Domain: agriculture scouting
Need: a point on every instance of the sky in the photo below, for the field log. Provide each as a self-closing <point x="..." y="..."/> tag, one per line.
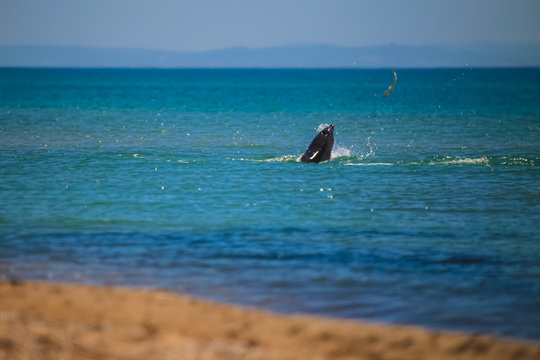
<point x="199" y="25"/>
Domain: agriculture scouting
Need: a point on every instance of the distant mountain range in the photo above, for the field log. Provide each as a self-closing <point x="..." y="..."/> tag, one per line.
<point x="305" y="56"/>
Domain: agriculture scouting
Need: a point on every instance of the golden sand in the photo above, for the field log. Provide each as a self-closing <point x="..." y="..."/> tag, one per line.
<point x="52" y="321"/>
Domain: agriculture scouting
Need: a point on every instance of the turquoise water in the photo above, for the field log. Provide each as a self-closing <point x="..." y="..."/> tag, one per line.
<point x="189" y="181"/>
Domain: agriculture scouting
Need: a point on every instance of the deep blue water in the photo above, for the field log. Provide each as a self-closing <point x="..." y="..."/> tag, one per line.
<point x="189" y="181"/>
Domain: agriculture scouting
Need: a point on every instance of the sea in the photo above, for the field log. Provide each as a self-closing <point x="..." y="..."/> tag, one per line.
<point x="189" y="181"/>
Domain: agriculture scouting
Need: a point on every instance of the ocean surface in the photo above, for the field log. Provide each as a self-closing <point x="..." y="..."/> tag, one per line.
<point x="188" y="181"/>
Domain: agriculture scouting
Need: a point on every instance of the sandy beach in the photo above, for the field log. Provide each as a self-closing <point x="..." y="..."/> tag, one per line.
<point x="55" y="321"/>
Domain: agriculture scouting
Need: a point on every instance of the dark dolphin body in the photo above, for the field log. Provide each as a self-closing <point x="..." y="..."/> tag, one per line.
<point x="321" y="147"/>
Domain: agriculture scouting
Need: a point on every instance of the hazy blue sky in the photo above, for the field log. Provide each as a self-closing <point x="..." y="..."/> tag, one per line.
<point x="210" y="24"/>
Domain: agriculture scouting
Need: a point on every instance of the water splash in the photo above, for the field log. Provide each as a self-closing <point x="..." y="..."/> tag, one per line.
<point x="371" y="147"/>
<point x="340" y="151"/>
<point x="322" y="126"/>
<point x="348" y="153"/>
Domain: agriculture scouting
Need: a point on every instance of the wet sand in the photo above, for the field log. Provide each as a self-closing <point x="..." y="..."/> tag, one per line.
<point x="54" y="321"/>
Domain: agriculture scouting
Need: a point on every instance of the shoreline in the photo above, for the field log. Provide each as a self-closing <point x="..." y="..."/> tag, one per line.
<point x="59" y="321"/>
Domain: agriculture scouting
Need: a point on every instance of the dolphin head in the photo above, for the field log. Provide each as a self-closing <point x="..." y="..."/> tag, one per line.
<point x="328" y="135"/>
<point x="328" y="131"/>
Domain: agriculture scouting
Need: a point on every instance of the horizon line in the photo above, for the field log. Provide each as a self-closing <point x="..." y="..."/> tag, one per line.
<point x="483" y="67"/>
<point x="291" y="45"/>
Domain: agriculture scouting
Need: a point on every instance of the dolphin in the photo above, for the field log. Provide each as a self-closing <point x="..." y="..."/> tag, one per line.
<point x="321" y="147"/>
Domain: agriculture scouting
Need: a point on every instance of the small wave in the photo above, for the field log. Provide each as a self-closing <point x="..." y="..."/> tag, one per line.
<point x="484" y="161"/>
<point x="369" y="164"/>
<point x="284" y="158"/>
<point x="464" y="161"/>
<point x="435" y="161"/>
<point x="487" y="161"/>
<point x="452" y="160"/>
<point x="517" y="161"/>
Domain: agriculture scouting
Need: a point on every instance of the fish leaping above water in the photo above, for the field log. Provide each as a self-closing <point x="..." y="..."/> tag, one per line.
<point x="391" y="87"/>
